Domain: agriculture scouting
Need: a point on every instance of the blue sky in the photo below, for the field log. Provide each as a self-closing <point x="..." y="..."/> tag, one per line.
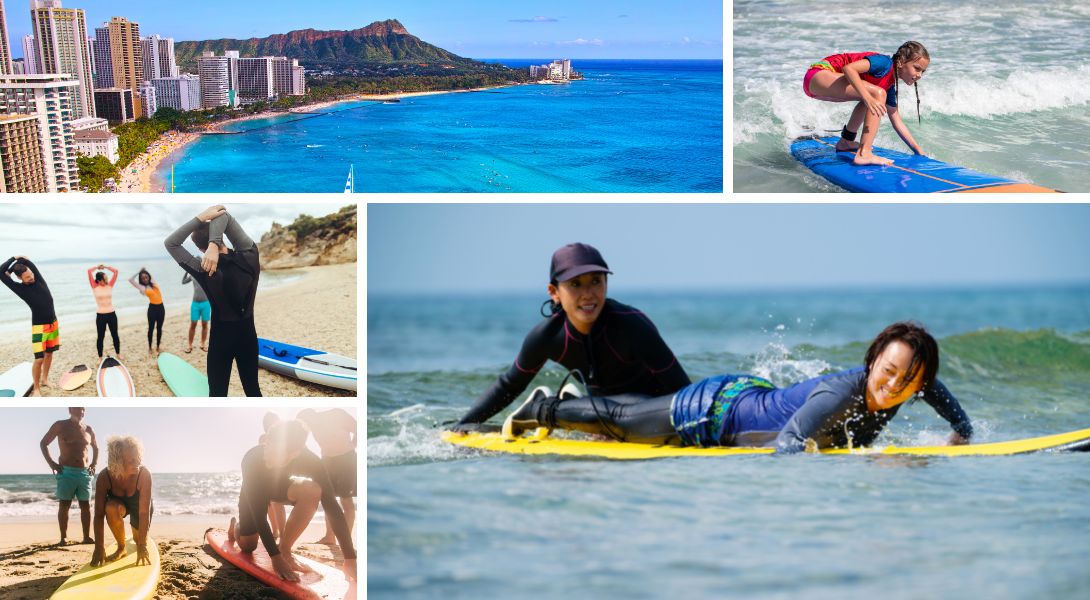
<point x="477" y="29"/>
<point x="497" y="247"/>
<point x="171" y="436"/>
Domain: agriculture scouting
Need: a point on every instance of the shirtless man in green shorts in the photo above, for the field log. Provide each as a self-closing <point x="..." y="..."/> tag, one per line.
<point x="74" y="468"/>
<point x="335" y="432"/>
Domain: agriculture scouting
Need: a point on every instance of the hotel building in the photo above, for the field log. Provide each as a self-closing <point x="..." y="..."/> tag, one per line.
<point x="21" y="169"/>
<point x="52" y="100"/>
<point x="60" y="36"/>
<point x="5" y="44"/>
<point x="104" y="64"/>
<point x="30" y="55"/>
<point x="116" y="105"/>
<point x="97" y="143"/>
<point x="180" y="93"/>
<point x="128" y="64"/>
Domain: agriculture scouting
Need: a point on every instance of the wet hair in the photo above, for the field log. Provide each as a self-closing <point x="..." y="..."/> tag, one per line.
<point x="925" y="351"/>
<point x="100" y="277"/>
<point x="908" y="52"/>
<point x="116" y="447"/>
<point x="150" y="283"/>
<point x="200" y="238"/>
<point x="291" y="434"/>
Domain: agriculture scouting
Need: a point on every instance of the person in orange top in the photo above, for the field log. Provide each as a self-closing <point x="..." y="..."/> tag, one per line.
<point x="143" y="282"/>
<point x="104" y="299"/>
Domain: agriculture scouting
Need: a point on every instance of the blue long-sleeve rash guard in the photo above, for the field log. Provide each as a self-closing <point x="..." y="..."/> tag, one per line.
<point x="831" y="410"/>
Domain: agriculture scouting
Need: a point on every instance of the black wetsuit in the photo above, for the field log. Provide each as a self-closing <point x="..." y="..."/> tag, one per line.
<point x="624" y="354"/>
<point x="36" y="295"/>
<point x="261" y="485"/>
<point x="231" y="292"/>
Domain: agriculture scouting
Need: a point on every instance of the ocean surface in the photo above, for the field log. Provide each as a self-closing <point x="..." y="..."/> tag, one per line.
<point x="75" y="303"/>
<point x="1003" y="94"/>
<point x="630" y="126"/>
<point x="451" y="521"/>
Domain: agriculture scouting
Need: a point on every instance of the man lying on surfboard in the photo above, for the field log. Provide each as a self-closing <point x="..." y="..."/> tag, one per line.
<point x="838" y="410"/>
<point x="282" y="469"/>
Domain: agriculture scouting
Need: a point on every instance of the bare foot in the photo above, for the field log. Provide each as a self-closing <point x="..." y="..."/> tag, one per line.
<point x="87" y="540"/>
<point x="846" y="146"/>
<point x="44" y="384"/>
<point x="871" y="159"/>
<point x="63" y="542"/>
<point x="326" y="539"/>
<point x="231" y="530"/>
<point x="116" y="555"/>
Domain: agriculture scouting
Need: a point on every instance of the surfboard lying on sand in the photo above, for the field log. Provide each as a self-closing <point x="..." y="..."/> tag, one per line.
<point x="183" y="379"/>
<point x="17" y="381"/>
<point x="325" y="583"/>
<point x="75" y="377"/>
<point x="306" y="364"/>
<point x="118" y="580"/>
<point x="113" y="380"/>
<point x="1076" y="441"/>
<point x="909" y="172"/>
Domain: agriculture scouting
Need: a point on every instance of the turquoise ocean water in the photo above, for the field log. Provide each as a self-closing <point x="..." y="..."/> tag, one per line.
<point x="1005" y="93"/>
<point x="630" y="126"/>
<point x="449" y="521"/>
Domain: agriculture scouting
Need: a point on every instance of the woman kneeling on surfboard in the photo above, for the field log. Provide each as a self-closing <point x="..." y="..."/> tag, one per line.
<point x="838" y="410"/>
<point x="123" y="488"/>
<point x="615" y="346"/>
<point x="870" y="79"/>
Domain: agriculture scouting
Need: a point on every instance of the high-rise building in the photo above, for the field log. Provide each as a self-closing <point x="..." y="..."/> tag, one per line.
<point x="21" y="165"/>
<point x="218" y="79"/>
<point x="116" y="104"/>
<point x="285" y="74"/>
<point x="148" y="105"/>
<point x="18" y="67"/>
<point x="149" y="49"/>
<point x="298" y="79"/>
<point x="5" y="45"/>
<point x="180" y="93"/>
<point x="51" y="99"/>
<point x="60" y="36"/>
<point x="104" y="63"/>
<point x="158" y="57"/>
<point x="30" y="55"/>
<point x="255" y="80"/>
<point x="127" y="57"/>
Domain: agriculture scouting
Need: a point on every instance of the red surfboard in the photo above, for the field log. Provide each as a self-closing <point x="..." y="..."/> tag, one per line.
<point x="325" y="583"/>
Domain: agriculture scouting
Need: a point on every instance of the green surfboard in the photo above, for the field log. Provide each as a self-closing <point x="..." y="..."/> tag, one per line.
<point x="182" y="378"/>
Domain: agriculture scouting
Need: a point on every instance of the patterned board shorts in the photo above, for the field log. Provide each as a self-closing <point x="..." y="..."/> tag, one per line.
<point x="45" y="338"/>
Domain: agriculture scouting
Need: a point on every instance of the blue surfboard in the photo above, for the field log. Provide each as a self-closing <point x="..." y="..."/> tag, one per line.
<point x="909" y="173"/>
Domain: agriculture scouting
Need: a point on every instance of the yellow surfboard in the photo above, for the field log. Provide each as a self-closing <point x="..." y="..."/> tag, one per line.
<point x="118" y="580"/>
<point x="539" y="443"/>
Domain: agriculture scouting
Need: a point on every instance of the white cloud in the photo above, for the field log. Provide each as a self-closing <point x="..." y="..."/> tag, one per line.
<point x="582" y="42"/>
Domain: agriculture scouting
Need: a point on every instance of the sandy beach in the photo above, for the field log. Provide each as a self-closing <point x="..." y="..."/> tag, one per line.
<point x="136" y="177"/>
<point x="31" y="568"/>
<point x="318" y="310"/>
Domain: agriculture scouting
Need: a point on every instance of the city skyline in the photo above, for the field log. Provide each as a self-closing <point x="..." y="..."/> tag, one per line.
<point x="485" y="29"/>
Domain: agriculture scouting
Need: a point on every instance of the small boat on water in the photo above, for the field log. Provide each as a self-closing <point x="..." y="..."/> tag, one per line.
<point x="350" y="185"/>
<point x="393" y="101"/>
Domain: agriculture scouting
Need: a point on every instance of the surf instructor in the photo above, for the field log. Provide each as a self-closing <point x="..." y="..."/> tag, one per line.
<point x="229" y="278"/>
<point x="282" y="469"/>
<point x="616" y="347"/>
<point x="74" y="468"/>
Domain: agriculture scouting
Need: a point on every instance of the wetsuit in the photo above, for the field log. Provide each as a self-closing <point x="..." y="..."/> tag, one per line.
<point x="131" y="503"/>
<point x="623" y="354"/>
<point x="105" y="315"/>
<point x="261" y="485"/>
<point x="45" y="332"/>
<point x="744" y="410"/>
<point x="231" y="291"/>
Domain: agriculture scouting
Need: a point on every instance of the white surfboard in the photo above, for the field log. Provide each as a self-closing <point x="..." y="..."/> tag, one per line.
<point x="114" y="380"/>
<point x="17" y="381"/>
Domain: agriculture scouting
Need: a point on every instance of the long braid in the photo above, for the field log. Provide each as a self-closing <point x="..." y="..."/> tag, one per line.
<point x="907" y="52"/>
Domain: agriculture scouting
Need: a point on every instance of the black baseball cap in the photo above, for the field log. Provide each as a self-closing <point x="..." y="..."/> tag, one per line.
<point x="574" y="260"/>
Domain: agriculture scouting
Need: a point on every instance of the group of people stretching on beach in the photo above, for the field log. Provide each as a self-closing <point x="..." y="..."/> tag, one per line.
<point x="637" y="391"/>
<point x="224" y="279"/>
<point x="278" y="471"/>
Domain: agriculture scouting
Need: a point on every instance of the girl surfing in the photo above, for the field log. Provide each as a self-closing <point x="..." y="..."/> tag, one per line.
<point x="872" y="80"/>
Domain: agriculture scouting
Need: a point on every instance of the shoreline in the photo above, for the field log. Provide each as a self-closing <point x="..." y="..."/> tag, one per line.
<point x="146" y="164"/>
<point x="32" y="567"/>
<point x="277" y="315"/>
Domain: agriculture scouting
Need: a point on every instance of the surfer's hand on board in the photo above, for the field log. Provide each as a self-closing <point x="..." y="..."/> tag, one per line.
<point x="349" y="568"/>
<point x="282" y="566"/>
<point x="211" y="213"/>
<point x="465" y="427"/>
<point x="211" y="259"/>
<point x="142" y="555"/>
